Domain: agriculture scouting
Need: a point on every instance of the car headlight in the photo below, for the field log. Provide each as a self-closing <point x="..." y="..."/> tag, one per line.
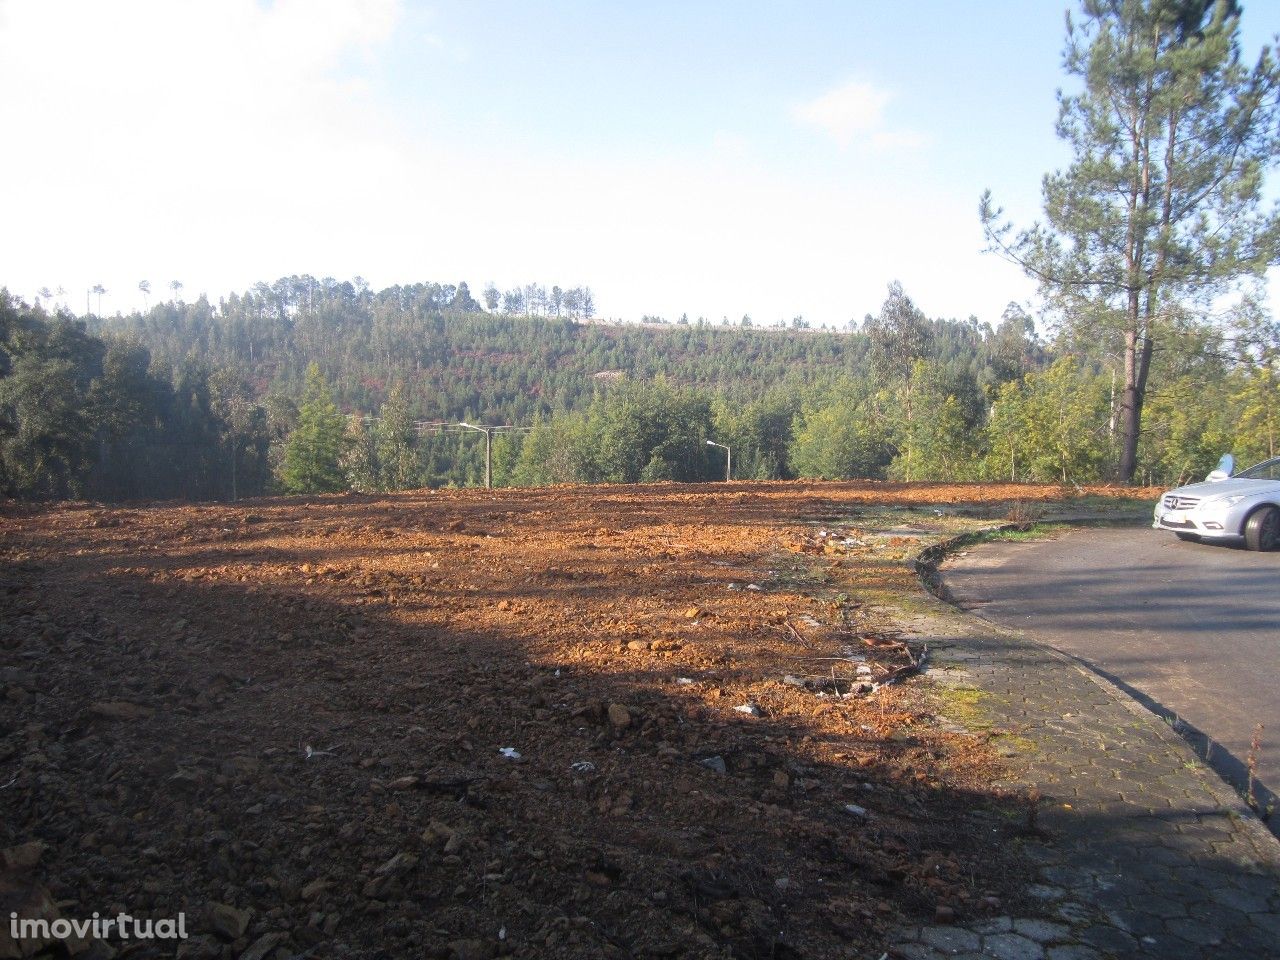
<point x="1230" y="501"/>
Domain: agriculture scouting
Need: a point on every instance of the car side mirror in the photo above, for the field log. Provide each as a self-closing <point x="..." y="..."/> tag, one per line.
<point x="1223" y="471"/>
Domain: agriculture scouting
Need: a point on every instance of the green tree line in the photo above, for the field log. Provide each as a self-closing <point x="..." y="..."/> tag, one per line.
<point x="200" y="402"/>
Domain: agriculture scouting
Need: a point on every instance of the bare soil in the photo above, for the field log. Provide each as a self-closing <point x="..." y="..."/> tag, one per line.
<point x="471" y="724"/>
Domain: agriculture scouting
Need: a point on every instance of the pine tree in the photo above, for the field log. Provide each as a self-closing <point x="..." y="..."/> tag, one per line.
<point x="313" y="452"/>
<point x="1160" y="212"/>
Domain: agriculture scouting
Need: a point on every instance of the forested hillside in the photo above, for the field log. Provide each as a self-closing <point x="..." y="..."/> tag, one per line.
<point x="458" y="361"/>
<point x="319" y="385"/>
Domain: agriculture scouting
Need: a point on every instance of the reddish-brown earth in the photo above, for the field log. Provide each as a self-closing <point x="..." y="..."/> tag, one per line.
<point x="286" y="720"/>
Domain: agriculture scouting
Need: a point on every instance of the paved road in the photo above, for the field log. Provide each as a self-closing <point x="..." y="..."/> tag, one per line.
<point x="1191" y="630"/>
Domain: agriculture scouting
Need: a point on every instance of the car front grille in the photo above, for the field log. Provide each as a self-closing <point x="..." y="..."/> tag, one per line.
<point x="1174" y="502"/>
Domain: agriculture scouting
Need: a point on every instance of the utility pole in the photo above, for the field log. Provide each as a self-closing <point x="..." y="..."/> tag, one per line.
<point x="488" y="432"/>
<point x="728" y="459"/>
<point x="488" y="452"/>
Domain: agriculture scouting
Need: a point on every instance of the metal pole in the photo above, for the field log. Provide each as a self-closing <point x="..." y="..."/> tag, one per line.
<point x="728" y="459"/>
<point x="488" y="451"/>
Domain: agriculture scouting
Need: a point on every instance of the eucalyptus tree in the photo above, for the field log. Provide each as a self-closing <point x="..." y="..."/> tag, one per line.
<point x="900" y="336"/>
<point x="513" y="302"/>
<point x="840" y="440"/>
<point x="1160" y="213"/>
<point x="238" y="414"/>
<point x="395" y="442"/>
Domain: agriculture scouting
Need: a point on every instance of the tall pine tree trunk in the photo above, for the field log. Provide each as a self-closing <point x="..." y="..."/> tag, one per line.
<point x="1137" y="365"/>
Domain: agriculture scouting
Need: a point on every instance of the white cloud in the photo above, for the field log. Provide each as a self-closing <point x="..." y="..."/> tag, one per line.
<point x="845" y="112"/>
<point x="855" y="112"/>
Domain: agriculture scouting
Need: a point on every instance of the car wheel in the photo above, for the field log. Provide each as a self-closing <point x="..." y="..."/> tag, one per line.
<point x="1262" y="529"/>
<point x="1188" y="536"/>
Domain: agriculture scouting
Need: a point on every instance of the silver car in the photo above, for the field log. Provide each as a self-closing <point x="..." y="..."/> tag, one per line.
<point x="1228" y="507"/>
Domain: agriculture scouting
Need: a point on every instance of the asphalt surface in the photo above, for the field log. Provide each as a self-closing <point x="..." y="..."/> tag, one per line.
<point x="1191" y="630"/>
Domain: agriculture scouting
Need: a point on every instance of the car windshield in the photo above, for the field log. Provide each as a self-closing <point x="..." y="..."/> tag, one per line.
<point x="1267" y="470"/>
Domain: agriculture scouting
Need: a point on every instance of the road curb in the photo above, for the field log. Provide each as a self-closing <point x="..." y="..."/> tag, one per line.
<point x="927" y="564"/>
<point x="1139" y="852"/>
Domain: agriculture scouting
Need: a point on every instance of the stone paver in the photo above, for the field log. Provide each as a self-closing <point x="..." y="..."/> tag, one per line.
<point x="1073" y="951"/>
<point x="1146" y="853"/>
<point x="1012" y="946"/>
<point x="951" y="939"/>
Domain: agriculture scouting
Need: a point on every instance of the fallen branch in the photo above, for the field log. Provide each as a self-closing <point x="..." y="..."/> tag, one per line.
<point x="913" y="667"/>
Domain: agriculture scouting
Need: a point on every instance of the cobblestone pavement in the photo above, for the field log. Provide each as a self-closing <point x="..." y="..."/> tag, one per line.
<point x="1142" y="852"/>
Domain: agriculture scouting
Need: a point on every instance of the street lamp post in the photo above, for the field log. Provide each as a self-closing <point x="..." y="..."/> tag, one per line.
<point x="488" y="452"/>
<point x="728" y="459"/>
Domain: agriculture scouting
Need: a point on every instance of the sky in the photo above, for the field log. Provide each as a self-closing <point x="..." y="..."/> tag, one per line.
<point x="705" y="157"/>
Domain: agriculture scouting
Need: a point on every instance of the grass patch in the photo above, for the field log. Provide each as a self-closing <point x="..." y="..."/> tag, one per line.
<point x="1011" y="742"/>
<point x="965" y="706"/>
<point x="1033" y="531"/>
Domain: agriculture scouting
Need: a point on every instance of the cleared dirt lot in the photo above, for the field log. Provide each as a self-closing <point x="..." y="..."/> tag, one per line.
<point x="288" y="721"/>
